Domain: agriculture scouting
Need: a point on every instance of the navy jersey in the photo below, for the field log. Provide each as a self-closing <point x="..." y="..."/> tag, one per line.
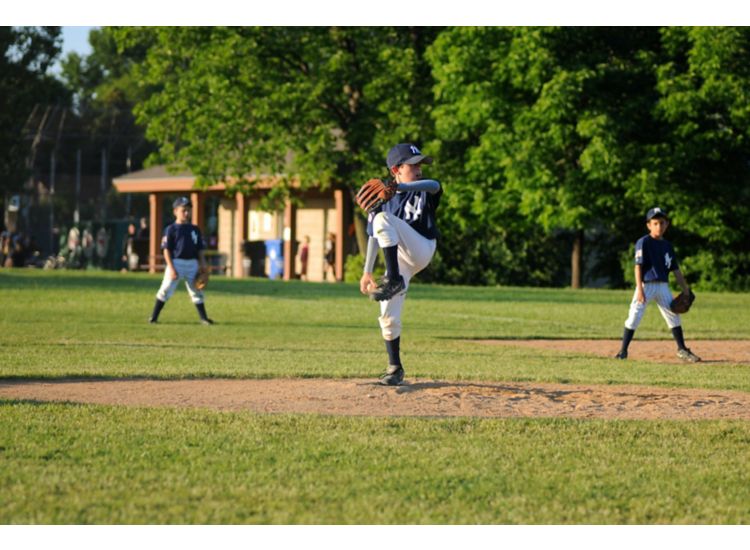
<point x="656" y="258"/>
<point x="417" y="208"/>
<point x="183" y="240"/>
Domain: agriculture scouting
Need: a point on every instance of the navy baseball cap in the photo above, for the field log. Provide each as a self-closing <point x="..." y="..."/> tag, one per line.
<point x="182" y="201"/>
<point x="406" y="153"/>
<point x="656" y="212"/>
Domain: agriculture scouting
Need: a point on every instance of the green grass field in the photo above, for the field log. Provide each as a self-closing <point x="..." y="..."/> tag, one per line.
<point x="67" y="463"/>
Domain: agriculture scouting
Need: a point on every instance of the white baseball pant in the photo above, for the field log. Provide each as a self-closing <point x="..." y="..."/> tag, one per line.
<point x="186" y="269"/>
<point x="414" y="254"/>
<point x="658" y="292"/>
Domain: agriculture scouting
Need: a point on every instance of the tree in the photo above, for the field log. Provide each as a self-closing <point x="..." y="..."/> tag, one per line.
<point x="27" y="53"/>
<point x="700" y="171"/>
<point x="316" y="106"/>
<point x="552" y="121"/>
<point x="105" y="93"/>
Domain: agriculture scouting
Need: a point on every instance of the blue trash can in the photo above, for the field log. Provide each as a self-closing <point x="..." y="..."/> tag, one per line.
<point x="274" y="253"/>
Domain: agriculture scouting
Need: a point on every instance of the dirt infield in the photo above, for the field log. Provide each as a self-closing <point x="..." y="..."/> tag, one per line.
<point x="429" y="398"/>
<point x="432" y="398"/>
<point x="661" y="351"/>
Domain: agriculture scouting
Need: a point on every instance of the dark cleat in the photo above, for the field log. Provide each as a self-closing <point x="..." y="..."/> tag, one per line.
<point x="393" y="376"/>
<point x="621" y="355"/>
<point x="688" y="356"/>
<point x="152" y="320"/>
<point x="207" y="321"/>
<point x="387" y="289"/>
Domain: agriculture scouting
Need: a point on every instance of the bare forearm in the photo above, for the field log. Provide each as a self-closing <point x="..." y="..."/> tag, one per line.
<point x="680" y="278"/>
<point x="638" y="276"/>
<point x="168" y="259"/>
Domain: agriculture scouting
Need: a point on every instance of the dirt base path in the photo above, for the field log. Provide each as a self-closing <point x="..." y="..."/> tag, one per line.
<point x="416" y="398"/>
<point x="662" y="351"/>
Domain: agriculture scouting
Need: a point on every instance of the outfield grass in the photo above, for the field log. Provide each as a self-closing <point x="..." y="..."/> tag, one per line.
<point x="87" y="464"/>
<point x="66" y="463"/>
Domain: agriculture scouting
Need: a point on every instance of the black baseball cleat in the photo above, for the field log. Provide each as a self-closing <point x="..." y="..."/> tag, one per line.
<point x="387" y="289"/>
<point x="393" y="376"/>
<point x="152" y="320"/>
<point x="207" y="321"/>
<point x="621" y="355"/>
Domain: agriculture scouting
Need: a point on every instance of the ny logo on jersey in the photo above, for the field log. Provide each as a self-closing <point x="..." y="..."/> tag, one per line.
<point x="413" y="207"/>
<point x="194" y="235"/>
<point x="667" y="260"/>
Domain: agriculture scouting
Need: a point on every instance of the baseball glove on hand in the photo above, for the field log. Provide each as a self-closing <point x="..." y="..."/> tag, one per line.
<point x="682" y="302"/>
<point x="201" y="279"/>
<point x="374" y="193"/>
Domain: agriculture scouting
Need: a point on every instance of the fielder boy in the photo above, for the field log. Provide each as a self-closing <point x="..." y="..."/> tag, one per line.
<point x="183" y="248"/>
<point x="654" y="259"/>
<point x="405" y="229"/>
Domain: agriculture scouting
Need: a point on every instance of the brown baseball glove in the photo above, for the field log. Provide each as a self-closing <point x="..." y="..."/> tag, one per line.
<point x="201" y="279"/>
<point x="681" y="303"/>
<point x="374" y="193"/>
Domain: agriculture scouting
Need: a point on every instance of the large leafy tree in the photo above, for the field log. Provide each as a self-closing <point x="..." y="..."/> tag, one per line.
<point x="700" y="170"/>
<point x="317" y="106"/>
<point x="26" y="54"/>
<point x="552" y="122"/>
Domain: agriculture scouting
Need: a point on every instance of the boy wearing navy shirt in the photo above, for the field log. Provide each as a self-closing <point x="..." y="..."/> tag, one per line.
<point x="405" y="229"/>
<point x="654" y="259"/>
<point x="183" y="248"/>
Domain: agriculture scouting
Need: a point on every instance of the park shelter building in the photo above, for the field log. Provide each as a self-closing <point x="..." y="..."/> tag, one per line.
<point x="235" y="227"/>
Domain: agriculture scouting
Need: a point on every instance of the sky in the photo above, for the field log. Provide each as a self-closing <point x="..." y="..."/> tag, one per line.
<point x="76" y="39"/>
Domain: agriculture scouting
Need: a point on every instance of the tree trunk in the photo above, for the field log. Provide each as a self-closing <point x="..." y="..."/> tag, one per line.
<point x="576" y="260"/>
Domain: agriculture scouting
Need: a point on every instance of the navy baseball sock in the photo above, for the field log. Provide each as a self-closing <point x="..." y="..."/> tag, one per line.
<point x="157" y="309"/>
<point x="627" y="336"/>
<point x="678" y="337"/>
<point x="201" y="310"/>
<point x="391" y="262"/>
<point x="394" y="353"/>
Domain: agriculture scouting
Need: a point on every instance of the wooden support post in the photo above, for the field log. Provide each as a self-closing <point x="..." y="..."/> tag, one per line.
<point x="240" y="233"/>
<point x="341" y="234"/>
<point x="198" y="216"/>
<point x="290" y="238"/>
<point x="155" y="222"/>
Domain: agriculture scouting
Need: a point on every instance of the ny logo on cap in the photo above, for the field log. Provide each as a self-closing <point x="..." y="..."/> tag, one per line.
<point x="414" y="150"/>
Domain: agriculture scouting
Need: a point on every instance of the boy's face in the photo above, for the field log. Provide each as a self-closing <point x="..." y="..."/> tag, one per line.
<point x="406" y="173"/>
<point x="182" y="214"/>
<point x="657" y="227"/>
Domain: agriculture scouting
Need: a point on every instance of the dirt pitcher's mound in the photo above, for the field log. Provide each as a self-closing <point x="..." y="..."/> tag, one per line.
<point x="415" y="398"/>
<point x="736" y="352"/>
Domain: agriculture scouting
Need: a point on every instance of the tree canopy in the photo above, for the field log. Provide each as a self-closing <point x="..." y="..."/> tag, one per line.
<point x="26" y="55"/>
<point x="546" y="138"/>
